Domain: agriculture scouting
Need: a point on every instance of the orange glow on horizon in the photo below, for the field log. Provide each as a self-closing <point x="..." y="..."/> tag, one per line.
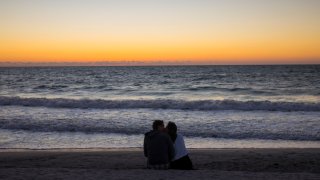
<point x="233" y="52"/>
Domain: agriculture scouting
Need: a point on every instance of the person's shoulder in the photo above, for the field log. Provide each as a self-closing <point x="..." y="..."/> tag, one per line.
<point x="179" y="136"/>
<point x="164" y="134"/>
<point x="148" y="133"/>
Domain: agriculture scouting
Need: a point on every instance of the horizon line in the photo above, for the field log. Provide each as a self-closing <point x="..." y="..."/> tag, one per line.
<point x="138" y="63"/>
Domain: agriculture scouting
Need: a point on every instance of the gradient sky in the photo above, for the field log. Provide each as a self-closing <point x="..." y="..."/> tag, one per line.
<point x="196" y="31"/>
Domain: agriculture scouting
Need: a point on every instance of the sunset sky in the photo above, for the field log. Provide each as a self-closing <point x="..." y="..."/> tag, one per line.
<point x="168" y="31"/>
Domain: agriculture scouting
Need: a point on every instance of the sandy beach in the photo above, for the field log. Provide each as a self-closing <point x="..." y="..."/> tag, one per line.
<point x="130" y="164"/>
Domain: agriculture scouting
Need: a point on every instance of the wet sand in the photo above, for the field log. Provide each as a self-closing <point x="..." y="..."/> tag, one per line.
<point x="130" y="164"/>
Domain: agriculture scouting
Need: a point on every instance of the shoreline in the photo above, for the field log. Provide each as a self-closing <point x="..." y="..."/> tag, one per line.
<point x="129" y="163"/>
<point x="135" y="149"/>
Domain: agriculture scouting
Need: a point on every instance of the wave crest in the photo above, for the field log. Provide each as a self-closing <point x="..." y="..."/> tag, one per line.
<point x="208" y="105"/>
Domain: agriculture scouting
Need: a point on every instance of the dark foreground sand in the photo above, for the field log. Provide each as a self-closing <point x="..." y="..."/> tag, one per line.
<point x="130" y="164"/>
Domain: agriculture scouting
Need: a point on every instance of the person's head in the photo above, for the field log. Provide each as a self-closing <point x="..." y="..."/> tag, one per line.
<point x="172" y="128"/>
<point x="158" y="125"/>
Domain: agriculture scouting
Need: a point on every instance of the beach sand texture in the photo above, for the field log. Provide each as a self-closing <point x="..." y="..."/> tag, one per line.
<point x="130" y="164"/>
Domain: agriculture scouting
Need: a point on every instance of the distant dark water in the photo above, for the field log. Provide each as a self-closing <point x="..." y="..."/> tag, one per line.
<point x="241" y="83"/>
<point x="232" y="102"/>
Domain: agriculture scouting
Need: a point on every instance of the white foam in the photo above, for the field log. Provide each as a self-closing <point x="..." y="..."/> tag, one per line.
<point x="160" y="104"/>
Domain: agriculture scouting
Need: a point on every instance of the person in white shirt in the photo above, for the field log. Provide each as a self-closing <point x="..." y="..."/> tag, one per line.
<point x="181" y="159"/>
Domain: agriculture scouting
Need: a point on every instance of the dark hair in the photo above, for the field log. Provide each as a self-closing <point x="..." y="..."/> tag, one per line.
<point x="172" y="130"/>
<point x="156" y="124"/>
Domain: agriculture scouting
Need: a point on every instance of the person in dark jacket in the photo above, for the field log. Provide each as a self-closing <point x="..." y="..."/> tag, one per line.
<point x="158" y="147"/>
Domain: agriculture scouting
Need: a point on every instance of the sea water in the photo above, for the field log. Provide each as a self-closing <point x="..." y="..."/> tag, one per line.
<point x="112" y="107"/>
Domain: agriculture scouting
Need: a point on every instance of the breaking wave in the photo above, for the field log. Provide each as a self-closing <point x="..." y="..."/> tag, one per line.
<point x="208" y="105"/>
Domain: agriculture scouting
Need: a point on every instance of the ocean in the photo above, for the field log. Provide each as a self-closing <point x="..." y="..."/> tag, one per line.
<point x="112" y="107"/>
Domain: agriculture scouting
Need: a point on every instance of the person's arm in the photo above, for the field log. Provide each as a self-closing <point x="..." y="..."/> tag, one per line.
<point x="145" y="150"/>
<point x="171" y="149"/>
<point x="182" y="142"/>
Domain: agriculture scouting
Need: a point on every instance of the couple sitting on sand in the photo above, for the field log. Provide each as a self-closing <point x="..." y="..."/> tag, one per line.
<point x="165" y="148"/>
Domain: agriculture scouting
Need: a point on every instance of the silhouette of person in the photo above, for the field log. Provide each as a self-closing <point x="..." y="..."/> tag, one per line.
<point x="158" y="147"/>
<point x="181" y="159"/>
